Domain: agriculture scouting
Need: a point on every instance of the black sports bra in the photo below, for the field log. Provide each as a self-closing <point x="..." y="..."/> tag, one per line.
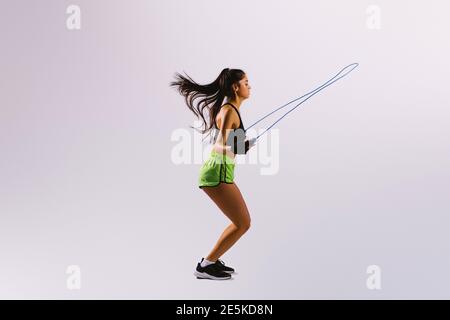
<point x="241" y="125"/>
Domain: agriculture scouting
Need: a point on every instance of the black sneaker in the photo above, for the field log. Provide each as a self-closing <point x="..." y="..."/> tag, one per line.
<point x="222" y="266"/>
<point x="211" y="271"/>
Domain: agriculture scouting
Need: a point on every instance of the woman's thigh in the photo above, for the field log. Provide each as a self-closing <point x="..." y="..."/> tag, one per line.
<point x="228" y="198"/>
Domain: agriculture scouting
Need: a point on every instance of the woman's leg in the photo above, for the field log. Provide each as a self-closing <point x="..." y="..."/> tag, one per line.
<point x="229" y="199"/>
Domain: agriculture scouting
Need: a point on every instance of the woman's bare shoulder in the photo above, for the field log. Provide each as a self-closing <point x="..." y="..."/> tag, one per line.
<point x="227" y="112"/>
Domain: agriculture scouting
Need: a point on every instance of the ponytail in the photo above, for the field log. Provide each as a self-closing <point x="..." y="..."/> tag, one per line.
<point x="211" y="95"/>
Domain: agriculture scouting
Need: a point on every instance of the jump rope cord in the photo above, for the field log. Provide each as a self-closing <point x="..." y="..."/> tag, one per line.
<point x="308" y="95"/>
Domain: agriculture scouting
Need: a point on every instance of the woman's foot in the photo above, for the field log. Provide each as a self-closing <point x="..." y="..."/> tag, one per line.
<point x="222" y="266"/>
<point x="211" y="271"/>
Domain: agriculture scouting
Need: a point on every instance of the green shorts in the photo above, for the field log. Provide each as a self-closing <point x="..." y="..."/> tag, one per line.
<point x="216" y="169"/>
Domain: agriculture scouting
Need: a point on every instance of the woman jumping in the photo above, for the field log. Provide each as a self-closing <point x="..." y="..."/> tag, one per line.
<point x="217" y="172"/>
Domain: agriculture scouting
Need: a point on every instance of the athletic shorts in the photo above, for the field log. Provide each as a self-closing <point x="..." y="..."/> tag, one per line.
<point x="216" y="169"/>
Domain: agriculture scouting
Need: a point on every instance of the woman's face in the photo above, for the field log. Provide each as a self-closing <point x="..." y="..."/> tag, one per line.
<point x="244" y="88"/>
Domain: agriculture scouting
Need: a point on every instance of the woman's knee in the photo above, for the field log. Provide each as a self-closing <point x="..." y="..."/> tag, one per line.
<point x="244" y="224"/>
<point x="247" y="225"/>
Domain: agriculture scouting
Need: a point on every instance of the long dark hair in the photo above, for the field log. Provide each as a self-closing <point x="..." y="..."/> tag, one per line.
<point x="211" y="95"/>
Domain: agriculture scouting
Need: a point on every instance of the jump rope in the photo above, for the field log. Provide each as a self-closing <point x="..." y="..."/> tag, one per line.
<point x="308" y="95"/>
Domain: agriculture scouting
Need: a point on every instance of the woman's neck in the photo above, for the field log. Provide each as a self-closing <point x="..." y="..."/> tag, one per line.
<point x="236" y="103"/>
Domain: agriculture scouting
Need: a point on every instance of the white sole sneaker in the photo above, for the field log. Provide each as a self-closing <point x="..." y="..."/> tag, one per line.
<point x="204" y="275"/>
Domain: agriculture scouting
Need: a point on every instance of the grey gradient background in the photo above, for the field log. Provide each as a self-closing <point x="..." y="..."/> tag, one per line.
<point x="86" y="176"/>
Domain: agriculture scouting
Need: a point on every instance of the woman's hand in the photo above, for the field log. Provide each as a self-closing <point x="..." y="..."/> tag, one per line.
<point x="249" y="143"/>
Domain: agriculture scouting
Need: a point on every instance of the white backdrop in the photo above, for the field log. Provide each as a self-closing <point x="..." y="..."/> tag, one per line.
<point x="87" y="177"/>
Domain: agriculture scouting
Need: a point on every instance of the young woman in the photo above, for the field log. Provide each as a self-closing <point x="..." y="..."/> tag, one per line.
<point x="217" y="173"/>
